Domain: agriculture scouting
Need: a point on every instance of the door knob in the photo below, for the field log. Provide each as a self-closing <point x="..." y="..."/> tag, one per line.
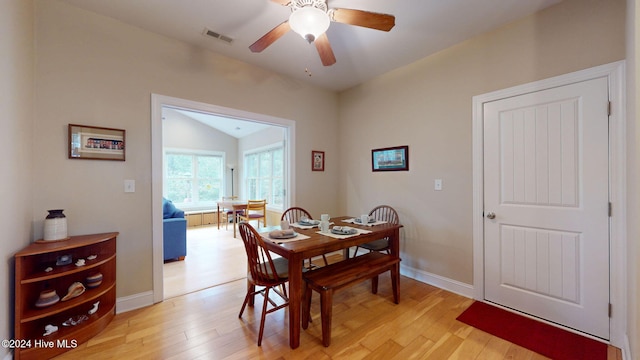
<point x="491" y="215"/>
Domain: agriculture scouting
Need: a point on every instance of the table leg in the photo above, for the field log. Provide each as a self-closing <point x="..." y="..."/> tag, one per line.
<point x="394" y="246"/>
<point x="235" y="217"/>
<point x="218" y="216"/>
<point x="295" y="299"/>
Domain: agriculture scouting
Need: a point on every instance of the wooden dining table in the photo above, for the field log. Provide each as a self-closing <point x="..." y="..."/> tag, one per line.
<point x="318" y="244"/>
<point x="236" y="206"/>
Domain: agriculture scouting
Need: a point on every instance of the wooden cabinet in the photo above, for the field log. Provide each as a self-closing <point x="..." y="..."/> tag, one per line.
<point x="209" y="217"/>
<point x="38" y="268"/>
<point x="201" y="217"/>
<point x="193" y="218"/>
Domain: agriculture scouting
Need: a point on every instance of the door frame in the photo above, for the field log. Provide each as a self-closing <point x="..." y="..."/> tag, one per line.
<point x="157" y="103"/>
<point x="617" y="182"/>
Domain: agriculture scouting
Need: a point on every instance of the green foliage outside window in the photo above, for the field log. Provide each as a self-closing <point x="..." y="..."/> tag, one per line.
<point x="193" y="179"/>
<point x="264" y="176"/>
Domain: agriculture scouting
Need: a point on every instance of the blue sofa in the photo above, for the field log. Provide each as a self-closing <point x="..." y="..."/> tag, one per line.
<point x="174" y="227"/>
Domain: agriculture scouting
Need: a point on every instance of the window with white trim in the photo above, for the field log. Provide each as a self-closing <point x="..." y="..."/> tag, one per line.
<point x="193" y="179"/>
<point x="264" y="175"/>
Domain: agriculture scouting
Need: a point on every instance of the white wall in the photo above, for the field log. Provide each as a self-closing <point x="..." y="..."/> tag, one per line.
<point x="97" y="71"/>
<point x="16" y="185"/>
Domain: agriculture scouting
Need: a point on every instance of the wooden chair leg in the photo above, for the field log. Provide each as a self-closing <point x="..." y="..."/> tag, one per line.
<point x="355" y="252"/>
<point x="244" y="304"/>
<point x="306" y="307"/>
<point x="395" y="283"/>
<point x="326" y="307"/>
<point x="264" y="314"/>
<point x="251" y="289"/>
<point x="325" y="260"/>
<point x="374" y="285"/>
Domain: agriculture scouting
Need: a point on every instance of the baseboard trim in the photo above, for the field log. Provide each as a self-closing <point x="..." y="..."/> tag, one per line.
<point x="441" y="282"/>
<point x="135" y="301"/>
<point x="626" y="348"/>
<point x="140" y="300"/>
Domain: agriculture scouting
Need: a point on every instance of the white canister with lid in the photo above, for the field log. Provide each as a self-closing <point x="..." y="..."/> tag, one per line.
<point x="55" y="225"/>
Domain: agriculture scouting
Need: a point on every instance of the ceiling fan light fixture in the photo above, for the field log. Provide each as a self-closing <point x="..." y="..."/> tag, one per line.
<point x="310" y="22"/>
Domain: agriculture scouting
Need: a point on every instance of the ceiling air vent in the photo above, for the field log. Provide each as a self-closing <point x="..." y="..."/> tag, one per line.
<point x="216" y="35"/>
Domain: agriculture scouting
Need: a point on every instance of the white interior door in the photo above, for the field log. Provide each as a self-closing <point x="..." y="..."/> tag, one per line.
<point x="546" y="205"/>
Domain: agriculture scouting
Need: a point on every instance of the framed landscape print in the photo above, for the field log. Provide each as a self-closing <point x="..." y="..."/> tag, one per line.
<point x="390" y="159"/>
<point x="317" y="160"/>
<point x="98" y="143"/>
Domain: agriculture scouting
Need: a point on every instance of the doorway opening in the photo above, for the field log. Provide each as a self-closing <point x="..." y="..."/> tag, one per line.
<point x="222" y="137"/>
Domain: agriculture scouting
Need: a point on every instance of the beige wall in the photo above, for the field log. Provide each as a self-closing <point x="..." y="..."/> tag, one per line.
<point x="428" y="106"/>
<point x="633" y="142"/>
<point x="16" y="124"/>
<point x="97" y="71"/>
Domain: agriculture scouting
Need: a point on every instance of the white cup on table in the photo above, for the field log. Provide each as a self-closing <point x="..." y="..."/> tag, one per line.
<point x="324" y="217"/>
<point x="364" y="219"/>
<point x="324" y="226"/>
<point x="284" y="225"/>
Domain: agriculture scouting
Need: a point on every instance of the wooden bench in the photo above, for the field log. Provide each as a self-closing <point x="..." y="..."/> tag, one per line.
<point x="330" y="278"/>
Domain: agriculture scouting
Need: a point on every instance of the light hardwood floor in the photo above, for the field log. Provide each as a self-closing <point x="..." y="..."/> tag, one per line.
<point x="205" y="325"/>
<point x="214" y="257"/>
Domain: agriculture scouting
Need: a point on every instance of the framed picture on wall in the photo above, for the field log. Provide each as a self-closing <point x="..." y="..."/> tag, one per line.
<point x="97" y="143"/>
<point x="317" y="160"/>
<point x="390" y="159"/>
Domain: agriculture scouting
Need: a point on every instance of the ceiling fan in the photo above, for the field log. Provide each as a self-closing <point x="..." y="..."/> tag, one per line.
<point x="311" y="18"/>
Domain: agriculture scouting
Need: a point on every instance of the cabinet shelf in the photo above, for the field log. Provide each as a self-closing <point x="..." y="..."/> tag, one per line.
<point x="88" y="296"/>
<point x="65" y="331"/>
<point x="66" y="270"/>
<point x="31" y="279"/>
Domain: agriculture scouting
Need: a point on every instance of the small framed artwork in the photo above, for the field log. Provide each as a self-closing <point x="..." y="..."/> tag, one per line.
<point x="390" y="159"/>
<point x="97" y="143"/>
<point x="317" y="160"/>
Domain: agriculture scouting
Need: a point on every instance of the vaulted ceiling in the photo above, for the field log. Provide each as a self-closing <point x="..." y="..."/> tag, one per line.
<point x="422" y="28"/>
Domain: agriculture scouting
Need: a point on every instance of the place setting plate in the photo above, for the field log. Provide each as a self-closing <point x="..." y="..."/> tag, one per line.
<point x="359" y="221"/>
<point x="343" y="230"/>
<point x="282" y="234"/>
<point x="309" y="222"/>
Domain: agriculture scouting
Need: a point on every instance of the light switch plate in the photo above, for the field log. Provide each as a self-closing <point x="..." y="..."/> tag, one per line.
<point x="129" y="186"/>
<point x="437" y="184"/>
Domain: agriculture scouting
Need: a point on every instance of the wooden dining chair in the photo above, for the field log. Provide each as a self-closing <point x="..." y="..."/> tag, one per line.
<point x="382" y="213"/>
<point x="263" y="272"/>
<point x="228" y="213"/>
<point x="256" y="210"/>
<point x="294" y="214"/>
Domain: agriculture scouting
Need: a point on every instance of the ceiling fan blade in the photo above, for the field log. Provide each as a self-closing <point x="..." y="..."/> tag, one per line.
<point x="270" y="37"/>
<point x="324" y="50"/>
<point x="363" y="18"/>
